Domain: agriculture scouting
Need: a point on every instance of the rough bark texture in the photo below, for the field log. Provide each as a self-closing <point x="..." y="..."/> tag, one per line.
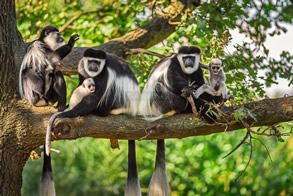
<point x="267" y="111"/>
<point x="13" y="154"/>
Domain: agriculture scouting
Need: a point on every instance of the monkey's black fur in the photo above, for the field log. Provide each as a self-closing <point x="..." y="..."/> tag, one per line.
<point x="40" y="83"/>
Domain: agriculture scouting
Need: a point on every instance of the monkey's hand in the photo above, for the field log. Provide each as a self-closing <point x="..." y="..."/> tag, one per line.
<point x="186" y="92"/>
<point x="73" y="39"/>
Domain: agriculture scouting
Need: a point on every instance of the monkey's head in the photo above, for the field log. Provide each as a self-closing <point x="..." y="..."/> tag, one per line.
<point x="189" y="57"/>
<point x="89" y="85"/>
<point x="51" y="36"/>
<point x="93" y="61"/>
<point x="215" y="66"/>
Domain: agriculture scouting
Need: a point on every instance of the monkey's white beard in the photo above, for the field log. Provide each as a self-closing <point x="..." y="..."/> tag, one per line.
<point x="188" y="70"/>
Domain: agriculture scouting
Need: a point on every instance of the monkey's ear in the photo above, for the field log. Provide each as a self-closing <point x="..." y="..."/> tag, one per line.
<point x="83" y="85"/>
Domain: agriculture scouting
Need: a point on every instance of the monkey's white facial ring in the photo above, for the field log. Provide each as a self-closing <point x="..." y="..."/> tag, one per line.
<point x="189" y="62"/>
<point x="93" y="66"/>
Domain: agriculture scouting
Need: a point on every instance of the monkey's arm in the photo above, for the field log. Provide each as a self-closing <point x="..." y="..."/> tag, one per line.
<point x="56" y="56"/>
<point x="204" y="66"/>
<point x="86" y="106"/>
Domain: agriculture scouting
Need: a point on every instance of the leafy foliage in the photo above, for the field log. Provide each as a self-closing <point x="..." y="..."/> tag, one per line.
<point x="195" y="167"/>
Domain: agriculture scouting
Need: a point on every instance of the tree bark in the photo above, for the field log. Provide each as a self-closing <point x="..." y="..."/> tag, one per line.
<point x="13" y="155"/>
<point x="267" y="112"/>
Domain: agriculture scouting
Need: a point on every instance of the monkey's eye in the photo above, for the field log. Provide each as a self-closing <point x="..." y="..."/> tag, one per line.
<point x="215" y="68"/>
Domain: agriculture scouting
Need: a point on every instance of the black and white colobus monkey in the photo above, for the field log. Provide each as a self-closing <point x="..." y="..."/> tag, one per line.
<point x="47" y="187"/>
<point x="217" y="82"/>
<point x="163" y="90"/>
<point x="39" y="82"/>
<point x="163" y="93"/>
<point x="117" y="90"/>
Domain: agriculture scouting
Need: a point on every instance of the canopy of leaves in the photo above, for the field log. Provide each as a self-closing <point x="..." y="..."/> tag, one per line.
<point x="194" y="165"/>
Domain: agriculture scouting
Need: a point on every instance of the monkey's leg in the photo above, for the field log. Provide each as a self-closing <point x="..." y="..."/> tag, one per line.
<point x="167" y="101"/>
<point x="33" y="86"/>
<point x="59" y="88"/>
<point x="202" y="89"/>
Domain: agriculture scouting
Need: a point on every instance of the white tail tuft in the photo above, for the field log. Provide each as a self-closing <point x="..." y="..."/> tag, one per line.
<point x="159" y="183"/>
<point x="47" y="187"/>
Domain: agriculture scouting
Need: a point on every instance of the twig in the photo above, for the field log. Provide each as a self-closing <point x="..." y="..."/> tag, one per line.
<point x="148" y="132"/>
<point x="250" y="156"/>
<point x="242" y="142"/>
<point x="190" y="100"/>
<point x="135" y="51"/>
<point x="271" y="134"/>
<point x="54" y="150"/>
<point x="265" y="148"/>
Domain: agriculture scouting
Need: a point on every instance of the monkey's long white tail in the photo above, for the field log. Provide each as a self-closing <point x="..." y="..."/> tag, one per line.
<point x="47" y="187"/>
<point x="48" y="133"/>
<point x="159" y="183"/>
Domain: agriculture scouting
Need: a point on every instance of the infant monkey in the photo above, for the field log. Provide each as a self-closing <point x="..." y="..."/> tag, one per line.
<point x="217" y="82"/>
<point x="86" y="88"/>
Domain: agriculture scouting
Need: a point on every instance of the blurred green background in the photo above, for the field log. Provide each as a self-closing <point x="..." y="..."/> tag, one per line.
<point x="195" y="166"/>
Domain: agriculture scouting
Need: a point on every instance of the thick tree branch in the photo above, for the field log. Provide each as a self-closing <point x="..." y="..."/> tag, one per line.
<point x="267" y="111"/>
<point x="155" y="31"/>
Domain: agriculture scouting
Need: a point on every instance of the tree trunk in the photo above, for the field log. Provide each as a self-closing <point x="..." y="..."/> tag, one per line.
<point x="13" y="154"/>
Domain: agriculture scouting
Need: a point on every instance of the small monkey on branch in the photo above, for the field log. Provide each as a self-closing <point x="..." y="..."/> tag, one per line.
<point x="217" y="82"/>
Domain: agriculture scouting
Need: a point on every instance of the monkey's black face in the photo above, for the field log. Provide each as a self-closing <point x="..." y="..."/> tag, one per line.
<point x="93" y="65"/>
<point x="188" y="61"/>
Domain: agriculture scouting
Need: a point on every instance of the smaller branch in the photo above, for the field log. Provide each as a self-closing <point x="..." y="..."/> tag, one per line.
<point x="271" y="134"/>
<point x="70" y="22"/>
<point x="250" y="156"/>
<point x="265" y="148"/>
<point x="136" y="51"/>
<point x="242" y="142"/>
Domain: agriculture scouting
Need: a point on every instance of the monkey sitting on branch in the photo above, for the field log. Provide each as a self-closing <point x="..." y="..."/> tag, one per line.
<point x="217" y="82"/>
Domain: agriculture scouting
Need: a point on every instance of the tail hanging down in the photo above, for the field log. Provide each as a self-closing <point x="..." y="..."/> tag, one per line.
<point x="47" y="187"/>
<point x="159" y="183"/>
<point x="132" y="185"/>
<point x="49" y="130"/>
